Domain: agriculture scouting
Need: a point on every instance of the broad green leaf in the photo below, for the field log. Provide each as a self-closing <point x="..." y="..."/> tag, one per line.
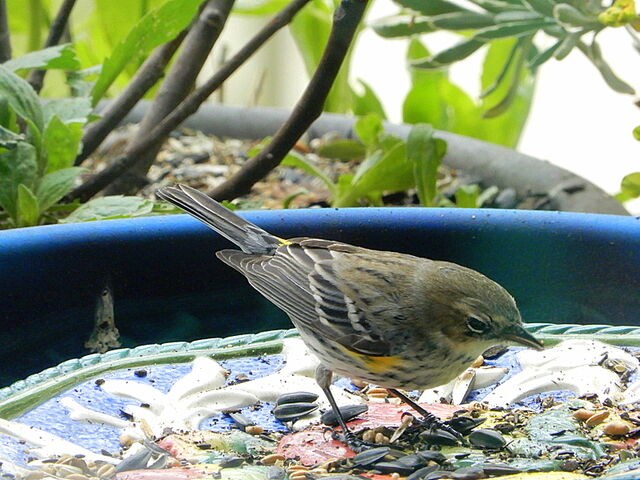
<point x="368" y="129"/>
<point x="462" y="21"/>
<point x="506" y="128"/>
<point x="459" y="51"/>
<point x="367" y="102"/>
<point x="630" y="187"/>
<point x="402" y="25"/>
<point x="467" y="196"/>
<point x="431" y="7"/>
<point x="17" y="166"/>
<point x="158" y="26"/>
<point x="59" y="56"/>
<point x="310" y="29"/>
<point x="22" y="98"/>
<point x="422" y="153"/>
<point x="56" y="185"/>
<point x="107" y="208"/>
<point x="298" y="161"/>
<point x="259" y="7"/>
<point x="9" y="139"/>
<point x="69" y="110"/>
<point x="342" y="149"/>
<point x="28" y="208"/>
<point x="62" y="144"/>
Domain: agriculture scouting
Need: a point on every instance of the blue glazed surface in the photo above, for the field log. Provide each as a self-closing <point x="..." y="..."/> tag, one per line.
<point x="168" y="285"/>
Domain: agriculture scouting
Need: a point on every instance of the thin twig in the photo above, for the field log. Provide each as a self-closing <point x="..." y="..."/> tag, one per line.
<point x="177" y="85"/>
<point x="145" y="78"/>
<point x="56" y="31"/>
<point x="345" y="24"/>
<point x="5" y="38"/>
<point x="189" y="106"/>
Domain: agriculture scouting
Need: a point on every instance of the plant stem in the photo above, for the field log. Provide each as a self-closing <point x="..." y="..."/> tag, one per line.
<point x="177" y="85"/>
<point x="35" y="17"/>
<point x="36" y="77"/>
<point x="5" y="38"/>
<point x="148" y="74"/>
<point x="345" y="24"/>
<point x="189" y="106"/>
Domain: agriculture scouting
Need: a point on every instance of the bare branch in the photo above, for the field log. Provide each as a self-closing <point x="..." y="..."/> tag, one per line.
<point x="58" y="26"/>
<point x="145" y="78"/>
<point x="178" y="84"/>
<point x="345" y="24"/>
<point x="189" y="106"/>
<point x="5" y="38"/>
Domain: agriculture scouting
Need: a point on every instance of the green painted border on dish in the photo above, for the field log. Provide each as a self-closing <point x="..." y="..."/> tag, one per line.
<point x="40" y="387"/>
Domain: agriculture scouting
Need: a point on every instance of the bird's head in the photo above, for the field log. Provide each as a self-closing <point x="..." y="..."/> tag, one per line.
<point x="475" y="308"/>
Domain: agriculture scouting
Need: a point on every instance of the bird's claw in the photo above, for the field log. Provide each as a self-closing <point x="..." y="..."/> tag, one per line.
<point x="351" y="440"/>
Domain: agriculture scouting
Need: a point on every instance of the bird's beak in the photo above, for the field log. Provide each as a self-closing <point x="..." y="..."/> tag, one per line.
<point x="520" y="336"/>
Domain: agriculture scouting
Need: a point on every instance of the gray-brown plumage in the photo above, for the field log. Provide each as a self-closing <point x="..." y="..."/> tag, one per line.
<point x="392" y="319"/>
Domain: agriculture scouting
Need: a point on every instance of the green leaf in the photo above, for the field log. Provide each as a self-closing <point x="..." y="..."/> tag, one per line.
<point x="17" y="166"/>
<point x="568" y="15"/>
<point x="630" y="186"/>
<point x="567" y="44"/>
<point x="158" y="26"/>
<point x="616" y="83"/>
<point x="459" y="51"/>
<point x="69" y="110"/>
<point x="343" y="149"/>
<point x="462" y="21"/>
<point x="9" y="139"/>
<point x="28" y="209"/>
<point x="515" y="29"/>
<point x="62" y="144"/>
<point x="367" y="102"/>
<point x="431" y="7"/>
<point x="21" y="97"/>
<point x="545" y="7"/>
<point x="82" y="82"/>
<point x="467" y="196"/>
<point x="517" y="16"/>
<point x="111" y="207"/>
<point x="59" y="56"/>
<point x="421" y="152"/>
<point x="504" y="70"/>
<point x="545" y="55"/>
<point x="496" y="6"/>
<point x="368" y="129"/>
<point x="56" y="185"/>
<point x="402" y="25"/>
<point x="506" y="128"/>
<point x="299" y="161"/>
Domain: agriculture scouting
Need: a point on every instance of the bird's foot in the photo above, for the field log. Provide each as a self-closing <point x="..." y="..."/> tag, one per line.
<point x="441" y="429"/>
<point x="352" y="441"/>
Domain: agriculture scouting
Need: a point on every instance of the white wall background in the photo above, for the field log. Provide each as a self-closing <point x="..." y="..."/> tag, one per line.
<point x="576" y="122"/>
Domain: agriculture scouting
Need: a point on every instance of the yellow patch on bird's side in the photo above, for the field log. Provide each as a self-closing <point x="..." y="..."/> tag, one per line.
<point x="376" y="364"/>
<point x="283" y="241"/>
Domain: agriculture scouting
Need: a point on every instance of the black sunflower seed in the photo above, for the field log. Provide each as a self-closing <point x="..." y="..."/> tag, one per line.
<point x="293" y="411"/>
<point x="464" y="425"/>
<point x="439" y="437"/>
<point x="394" y="467"/>
<point x="432" y="456"/>
<point x="414" y="461"/>
<point x="296" y="397"/>
<point x="348" y="412"/>
<point x="369" y="457"/>
<point x="231" y="462"/>
<point x="423" y="472"/>
<point x="240" y="419"/>
<point x="496" y="470"/>
<point x="487" y="438"/>
<point x="276" y="473"/>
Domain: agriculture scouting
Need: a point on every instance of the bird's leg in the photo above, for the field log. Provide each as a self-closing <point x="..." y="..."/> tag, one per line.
<point x="428" y="418"/>
<point x="324" y="377"/>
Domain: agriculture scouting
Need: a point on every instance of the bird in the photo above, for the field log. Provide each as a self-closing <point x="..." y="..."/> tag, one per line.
<point x="392" y="319"/>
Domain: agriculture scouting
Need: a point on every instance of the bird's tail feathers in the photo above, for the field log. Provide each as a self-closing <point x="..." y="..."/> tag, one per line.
<point x="249" y="237"/>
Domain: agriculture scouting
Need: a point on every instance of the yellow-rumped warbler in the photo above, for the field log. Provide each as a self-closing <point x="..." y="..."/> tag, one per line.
<point x="392" y="319"/>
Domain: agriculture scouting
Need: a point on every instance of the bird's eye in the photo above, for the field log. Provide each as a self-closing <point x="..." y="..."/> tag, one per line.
<point x="476" y="325"/>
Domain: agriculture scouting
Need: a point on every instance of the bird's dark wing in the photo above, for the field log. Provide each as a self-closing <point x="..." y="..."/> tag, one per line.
<point x="301" y="279"/>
